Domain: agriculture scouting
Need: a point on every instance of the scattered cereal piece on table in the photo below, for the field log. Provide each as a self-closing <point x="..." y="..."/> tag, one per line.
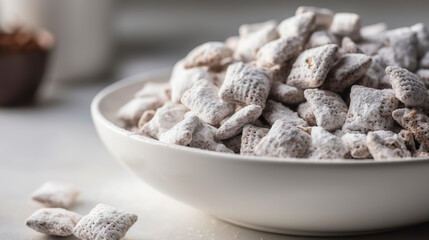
<point x="53" y="221"/>
<point x="56" y="194"/>
<point x="104" y="222"/>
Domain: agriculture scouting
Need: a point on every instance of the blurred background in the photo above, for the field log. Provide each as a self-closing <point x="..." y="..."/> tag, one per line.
<point x="119" y="38"/>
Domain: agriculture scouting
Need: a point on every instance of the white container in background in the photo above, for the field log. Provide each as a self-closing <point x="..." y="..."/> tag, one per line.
<point x="82" y="30"/>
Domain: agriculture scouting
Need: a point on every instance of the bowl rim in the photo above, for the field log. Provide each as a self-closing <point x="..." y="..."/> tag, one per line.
<point x="146" y="76"/>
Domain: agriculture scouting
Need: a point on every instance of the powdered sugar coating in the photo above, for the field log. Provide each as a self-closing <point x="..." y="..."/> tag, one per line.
<point x="328" y="108"/>
<point x="56" y="194"/>
<point x="131" y="112"/>
<point x="53" y="221"/>
<point x="104" y="223"/>
<point x="209" y="54"/>
<point x="423" y="74"/>
<point x="349" y="68"/>
<point x="181" y="133"/>
<point x="403" y="42"/>
<point x="251" y="136"/>
<point x="254" y="38"/>
<point x="182" y="79"/>
<point x="320" y="38"/>
<point x="233" y="143"/>
<point x="145" y="118"/>
<point x="325" y="145"/>
<point x="204" y="138"/>
<point x="416" y="122"/>
<point x="408" y="88"/>
<point x="246" y="84"/>
<point x="370" y="109"/>
<point x="409" y="140"/>
<point x="348" y="46"/>
<point x="324" y="16"/>
<point x="422" y="34"/>
<point x="374" y="75"/>
<point x="203" y="99"/>
<point x="164" y="119"/>
<point x="276" y="111"/>
<point x="304" y="111"/>
<point x="385" y="145"/>
<point x="279" y="51"/>
<point x="286" y="94"/>
<point x="311" y="67"/>
<point x="235" y="123"/>
<point x="356" y="143"/>
<point x="299" y="25"/>
<point x="284" y="140"/>
<point x="346" y="25"/>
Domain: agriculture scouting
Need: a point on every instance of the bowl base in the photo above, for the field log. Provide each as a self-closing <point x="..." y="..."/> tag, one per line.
<point x="304" y="233"/>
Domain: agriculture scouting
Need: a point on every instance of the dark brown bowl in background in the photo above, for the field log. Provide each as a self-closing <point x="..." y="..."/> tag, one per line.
<point x="23" y="60"/>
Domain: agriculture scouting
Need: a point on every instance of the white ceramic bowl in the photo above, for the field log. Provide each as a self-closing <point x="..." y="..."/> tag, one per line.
<point x="294" y="196"/>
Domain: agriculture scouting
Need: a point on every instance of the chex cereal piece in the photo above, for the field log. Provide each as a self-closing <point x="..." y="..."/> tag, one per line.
<point x="286" y="94"/>
<point x="348" y="46"/>
<point x="324" y="16"/>
<point x="404" y="43"/>
<point x="373" y="32"/>
<point x="325" y="145"/>
<point x="233" y="143"/>
<point x="304" y="111"/>
<point x="204" y="138"/>
<point x="131" y="112"/>
<point x="374" y="74"/>
<point x="56" y="194"/>
<point x="356" y="143"/>
<point x="370" y="48"/>
<point x="346" y="25"/>
<point x="370" y="109"/>
<point x="328" y="108"/>
<point x="423" y="74"/>
<point x="254" y="39"/>
<point x="53" y="221"/>
<point x="422" y="37"/>
<point x="408" y="88"/>
<point x="409" y="140"/>
<point x="104" y="222"/>
<point x="246" y="84"/>
<point x="424" y="61"/>
<point x="165" y="118"/>
<point x="299" y="25"/>
<point x="146" y="117"/>
<point x="182" y="79"/>
<point x="209" y="54"/>
<point x="416" y="122"/>
<point x="420" y="153"/>
<point x="155" y="89"/>
<point x="249" y="28"/>
<point x="280" y="73"/>
<point x="346" y="71"/>
<point x="235" y="123"/>
<point x="203" y="99"/>
<point x="232" y="42"/>
<point x="385" y="145"/>
<point x="181" y="133"/>
<point x="279" y="51"/>
<point x="251" y="136"/>
<point x="320" y="38"/>
<point x="284" y="140"/>
<point x="311" y="67"/>
<point x="275" y="111"/>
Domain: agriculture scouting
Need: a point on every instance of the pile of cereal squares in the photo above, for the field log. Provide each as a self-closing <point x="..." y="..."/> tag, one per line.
<point x="315" y="86"/>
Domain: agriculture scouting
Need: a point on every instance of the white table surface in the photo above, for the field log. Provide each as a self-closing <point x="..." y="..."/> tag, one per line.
<point x="56" y="140"/>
